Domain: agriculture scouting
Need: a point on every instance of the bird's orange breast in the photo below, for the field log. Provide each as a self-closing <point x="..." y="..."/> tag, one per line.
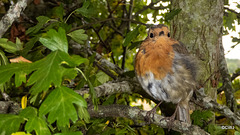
<point x="155" y="56"/>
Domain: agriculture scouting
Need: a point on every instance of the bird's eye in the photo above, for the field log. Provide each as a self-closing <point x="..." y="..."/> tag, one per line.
<point x="151" y="35"/>
<point x="168" y="34"/>
<point x="161" y="33"/>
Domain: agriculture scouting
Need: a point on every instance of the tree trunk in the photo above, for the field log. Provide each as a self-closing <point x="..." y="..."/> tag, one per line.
<point x="199" y="27"/>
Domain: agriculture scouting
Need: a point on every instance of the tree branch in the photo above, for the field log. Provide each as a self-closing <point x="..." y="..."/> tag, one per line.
<point x="235" y="75"/>
<point x="105" y="63"/>
<point x="109" y="19"/>
<point x="12" y="14"/>
<point x="227" y="85"/>
<point x="151" y="6"/>
<point x="132" y="86"/>
<point x="233" y="11"/>
<point x="137" y="115"/>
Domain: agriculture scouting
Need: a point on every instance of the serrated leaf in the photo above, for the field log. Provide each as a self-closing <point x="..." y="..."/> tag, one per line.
<point x="86" y="10"/>
<point x="62" y="108"/>
<point x="34" y="122"/>
<point x="55" y="40"/>
<point x="10" y="123"/>
<point x="228" y="20"/>
<point x="7" y="71"/>
<point x="49" y="71"/>
<point x="28" y="112"/>
<point x="78" y="36"/>
<point x="38" y="125"/>
<point x="41" y="21"/>
<point x="9" y="46"/>
<point x="130" y="36"/>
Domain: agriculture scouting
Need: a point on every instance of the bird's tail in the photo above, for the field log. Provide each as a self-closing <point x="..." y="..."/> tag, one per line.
<point x="183" y="112"/>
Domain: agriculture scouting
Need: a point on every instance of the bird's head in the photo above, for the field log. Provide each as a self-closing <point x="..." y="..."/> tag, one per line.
<point x="157" y="31"/>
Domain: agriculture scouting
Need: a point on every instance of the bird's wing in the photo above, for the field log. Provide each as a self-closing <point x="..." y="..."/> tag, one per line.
<point x="180" y="48"/>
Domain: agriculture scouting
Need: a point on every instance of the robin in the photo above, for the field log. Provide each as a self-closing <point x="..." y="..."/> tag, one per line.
<point x="166" y="71"/>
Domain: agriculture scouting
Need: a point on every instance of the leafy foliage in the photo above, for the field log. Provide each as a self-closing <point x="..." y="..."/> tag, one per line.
<point x="62" y="109"/>
<point x="10" y="123"/>
<point x="57" y="45"/>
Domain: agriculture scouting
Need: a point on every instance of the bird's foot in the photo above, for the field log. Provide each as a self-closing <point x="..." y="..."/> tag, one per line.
<point x="148" y="117"/>
<point x="169" y="120"/>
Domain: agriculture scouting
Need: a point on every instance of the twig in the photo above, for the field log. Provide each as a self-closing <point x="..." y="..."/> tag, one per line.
<point x="151" y="6"/>
<point x="235" y="75"/>
<point x="107" y="64"/>
<point x="105" y="70"/>
<point x="12" y="14"/>
<point x="106" y="20"/>
<point x="233" y="11"/>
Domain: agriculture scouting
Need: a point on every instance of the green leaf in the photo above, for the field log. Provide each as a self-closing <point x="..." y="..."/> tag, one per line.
<point x="10" y="123"/>
<point x="78" y="36"/>
<point x="237" y="133"/>
<point x="62" y="108"/>
<point x="29" y="45"/>
<point x="228" y="20"/>
<point x="41" y="21"/>
<point x="49" y="71"/>
<point x="78" y="59"/>
<point x="20" y="77"/>
<point x="86" y="10"/>
<point x="70" y="133"/>
<point x="34" y="122"/>
<point x="9" y="46"/>
<point x="130" y="36"/>
<point x="102" y="77"/>
<point x="169" y="16"/>
<point x="55" y="40"/>
<point x="37" y="124"/>
<point x="3" y="58"/>
<point x="200" y="116"/>
<point x="58" y="12"/>
<point x="7" y="71"/>
<point x="28" y="112"/>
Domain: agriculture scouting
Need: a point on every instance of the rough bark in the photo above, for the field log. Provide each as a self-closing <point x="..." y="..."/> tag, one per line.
<point x="199" y="27"/>
<point x="12" y="14"/>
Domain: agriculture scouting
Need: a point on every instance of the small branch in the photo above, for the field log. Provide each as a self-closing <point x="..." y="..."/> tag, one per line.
<point x="106" y="20"/>
<point x="233" y="11"/>
<point x="227" y="84"/>
<point x="109" y="73"/>
<point x="235" y="75"/>
<point x="12" y="14"/>
<point x="151" y="6"/>
<point x="138" y="115"/>
<point x="111" y="88"/>
<point x="208" y="103"/>
<point x="107" y="64"/>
